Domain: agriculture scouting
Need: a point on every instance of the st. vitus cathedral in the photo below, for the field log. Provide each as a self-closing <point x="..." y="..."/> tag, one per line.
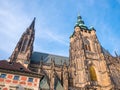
<point x="89" y="66"/>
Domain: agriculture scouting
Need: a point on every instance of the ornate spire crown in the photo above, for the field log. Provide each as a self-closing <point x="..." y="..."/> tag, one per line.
<point x="80" y="23"/>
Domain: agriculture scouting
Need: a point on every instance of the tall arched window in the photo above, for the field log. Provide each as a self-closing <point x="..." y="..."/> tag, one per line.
<point x="87" y="45"/>
<point x="24" y="45"/>
<point x="92" y="72"/>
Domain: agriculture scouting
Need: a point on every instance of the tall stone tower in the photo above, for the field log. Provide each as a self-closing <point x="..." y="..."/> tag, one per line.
<point x="24" y="47"/>
<point x="88" y="68"/>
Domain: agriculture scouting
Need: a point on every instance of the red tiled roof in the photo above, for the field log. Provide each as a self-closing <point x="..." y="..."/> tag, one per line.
<point x="13" y="66"/>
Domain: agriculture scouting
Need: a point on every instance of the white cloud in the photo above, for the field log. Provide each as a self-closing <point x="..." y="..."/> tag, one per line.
<point x="57" y="37"/>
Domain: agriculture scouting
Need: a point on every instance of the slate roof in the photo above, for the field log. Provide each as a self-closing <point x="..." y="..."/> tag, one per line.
<point x="4" y="64"/>
<point x="16" y="68"/>
<point x="46" y="58"/>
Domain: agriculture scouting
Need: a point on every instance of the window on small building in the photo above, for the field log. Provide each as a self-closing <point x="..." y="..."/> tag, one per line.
<point x="3" y="76"/>
<point x="30" y="79"/>
<point x="16" y="78"/>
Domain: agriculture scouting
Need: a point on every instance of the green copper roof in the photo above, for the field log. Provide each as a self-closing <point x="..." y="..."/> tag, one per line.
<point x="92" y="28"/>
<point x="80" y="22"/>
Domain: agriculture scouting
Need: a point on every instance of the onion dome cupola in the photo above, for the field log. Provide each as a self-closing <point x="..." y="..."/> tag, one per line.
<point x="80" y="23"/>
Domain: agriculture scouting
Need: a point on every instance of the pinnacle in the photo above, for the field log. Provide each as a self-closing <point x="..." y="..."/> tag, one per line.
<point x="32" y="24"/>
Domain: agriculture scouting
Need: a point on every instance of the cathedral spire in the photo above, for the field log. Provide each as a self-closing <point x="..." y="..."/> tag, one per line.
<point x="80" y="22"/>
<point x="24" y="47"/>
<point x="32" y="24"/>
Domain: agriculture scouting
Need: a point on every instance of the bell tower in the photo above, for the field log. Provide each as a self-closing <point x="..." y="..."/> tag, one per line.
<point x="87" y="64"/>
<point x="24" y="47"/>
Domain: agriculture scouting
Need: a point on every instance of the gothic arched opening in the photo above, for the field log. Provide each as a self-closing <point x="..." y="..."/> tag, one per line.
<point x="92" y="72"/>
<point x="87" y="45"/>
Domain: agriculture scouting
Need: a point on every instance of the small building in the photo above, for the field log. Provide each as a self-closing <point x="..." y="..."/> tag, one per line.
<point x="14" y="76"/>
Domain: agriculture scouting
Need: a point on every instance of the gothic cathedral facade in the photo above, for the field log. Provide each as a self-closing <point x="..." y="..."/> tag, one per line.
<point x="87" y="68"/>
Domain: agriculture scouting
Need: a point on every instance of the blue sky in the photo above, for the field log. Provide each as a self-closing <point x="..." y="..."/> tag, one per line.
<point x="55" y="20"/>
